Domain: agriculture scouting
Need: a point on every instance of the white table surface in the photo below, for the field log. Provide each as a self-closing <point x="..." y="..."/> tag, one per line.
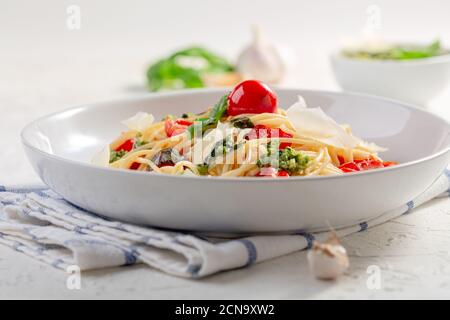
<point x="412" y="252"/>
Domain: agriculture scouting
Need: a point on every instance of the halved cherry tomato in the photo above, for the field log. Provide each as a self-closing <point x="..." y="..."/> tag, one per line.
<point x="176" y="127"/>
<point x="349" y="167"/>
<point x="283" y="174"/>
<point x="127" y="145"/>
<point x="389" y="163"/>
<point x="369" y="164"/>
<point x="251" y="96"/>
<point x="364" y="164"/>
<point x="261" y="131"/>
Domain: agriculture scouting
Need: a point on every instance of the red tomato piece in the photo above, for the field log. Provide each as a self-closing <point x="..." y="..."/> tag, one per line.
<point x="363" y="165"/>
<point x="349" y="167"/>
<point x="282" y="134"/>
<point x="183" y="122"/>
<point x="127" y="145"/>
<point x="369" y="164"/>
<point x="135" y="166"/>
<point x="267" y="172"/>
<point x="283" y="174"/>
<point x="261" y="131"/>
<point x="251" y="96"/>
<point x="389" y="163"/>
<point x="174" y="128"/>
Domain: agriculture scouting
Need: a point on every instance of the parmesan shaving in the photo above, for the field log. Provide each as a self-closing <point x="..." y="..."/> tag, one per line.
<point x="313" y="123"/>
<point x="139" y="122"/>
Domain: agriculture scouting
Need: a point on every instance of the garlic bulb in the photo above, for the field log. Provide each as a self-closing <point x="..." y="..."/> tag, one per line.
<point x="328" y="260"/>
<point x="261" y="60"/>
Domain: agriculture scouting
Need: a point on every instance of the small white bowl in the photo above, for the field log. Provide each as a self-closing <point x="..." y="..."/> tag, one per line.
<point x="415" y="81"/>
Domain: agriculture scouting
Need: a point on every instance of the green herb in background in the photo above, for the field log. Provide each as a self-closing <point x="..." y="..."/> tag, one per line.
<point x="184" y="69"/>
<point x="400" y="52"/>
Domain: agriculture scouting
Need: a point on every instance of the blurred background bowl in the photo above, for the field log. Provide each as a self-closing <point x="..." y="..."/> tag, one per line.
<point x="415" y="81"/>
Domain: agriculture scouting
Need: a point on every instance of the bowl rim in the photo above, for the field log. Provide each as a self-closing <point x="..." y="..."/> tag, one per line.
<point x="100" y="104"/>
<point x="441" y="59"/>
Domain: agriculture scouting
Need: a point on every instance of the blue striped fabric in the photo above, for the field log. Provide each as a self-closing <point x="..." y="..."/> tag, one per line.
<point x="309" y="239"/>
<point x="410" y="206"/>
<point x="363" y="226"/>
<point x="60" y="234"/>
<point x="251" y="250"/>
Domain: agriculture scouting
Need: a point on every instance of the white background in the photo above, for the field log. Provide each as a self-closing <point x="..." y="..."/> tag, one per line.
<point x="121" y="37"/>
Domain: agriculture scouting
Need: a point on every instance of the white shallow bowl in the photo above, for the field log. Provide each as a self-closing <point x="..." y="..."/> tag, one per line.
<point x="61" y="145"/>
<point x="416" y="81"/>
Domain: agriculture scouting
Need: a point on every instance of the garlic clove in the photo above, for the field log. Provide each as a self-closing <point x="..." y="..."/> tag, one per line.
<point x="328" y="260"/>
<point x="261" y="60"/>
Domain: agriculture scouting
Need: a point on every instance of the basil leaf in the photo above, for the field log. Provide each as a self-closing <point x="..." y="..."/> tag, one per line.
<point x="219" y="109"/>
<point x="216" y="113"/>
<point x="174" y="72"/>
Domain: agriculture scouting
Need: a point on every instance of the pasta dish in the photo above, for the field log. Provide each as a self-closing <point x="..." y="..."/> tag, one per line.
<point x="245" y="134"/>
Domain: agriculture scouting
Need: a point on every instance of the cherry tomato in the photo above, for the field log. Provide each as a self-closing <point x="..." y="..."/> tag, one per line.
<point x="389" y="163"/>
<point x="251" y="96"/>
<point x="261" y="131"/>
<point x="369" y="164"/>
<point x="174" y="128"/>
<point x="364" y="164"/>
<point x="283" y="174"/>
<point x="127" y="145"/>
<point x="349" y="167"/>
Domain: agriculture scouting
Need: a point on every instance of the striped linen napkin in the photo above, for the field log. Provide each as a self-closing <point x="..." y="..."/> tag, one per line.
<point x="39" y="223"/>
